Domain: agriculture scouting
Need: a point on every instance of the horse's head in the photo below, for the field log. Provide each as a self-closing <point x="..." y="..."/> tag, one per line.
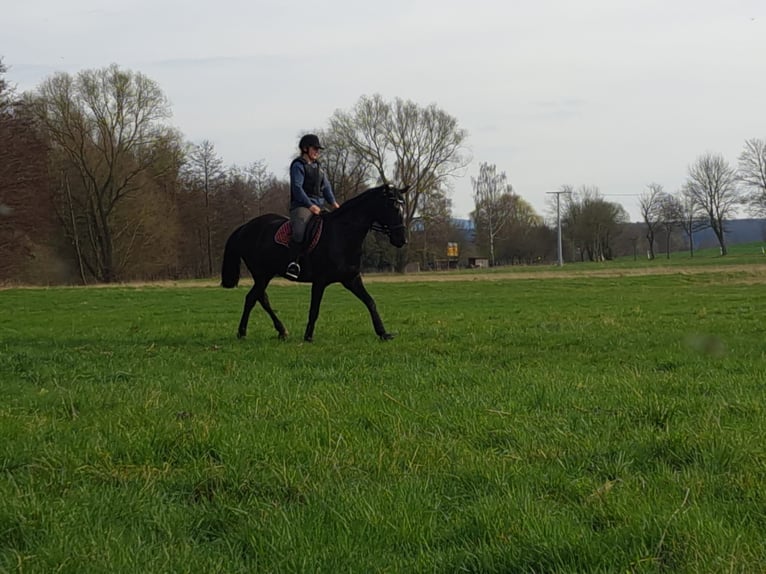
<point x="390" y="217"/>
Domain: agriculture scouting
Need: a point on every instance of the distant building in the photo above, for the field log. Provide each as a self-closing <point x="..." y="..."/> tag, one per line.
<point x="478" y="262"/>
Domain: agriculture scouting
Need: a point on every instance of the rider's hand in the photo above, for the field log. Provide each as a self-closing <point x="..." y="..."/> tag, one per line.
<point x="335" y="205"/>
<point x="315" y="209"/>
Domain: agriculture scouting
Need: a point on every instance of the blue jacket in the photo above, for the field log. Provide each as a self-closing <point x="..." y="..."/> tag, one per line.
<point x="308" y="185"/>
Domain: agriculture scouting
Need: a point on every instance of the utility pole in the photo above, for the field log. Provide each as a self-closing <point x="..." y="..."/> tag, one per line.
<point x="558" y="222"/>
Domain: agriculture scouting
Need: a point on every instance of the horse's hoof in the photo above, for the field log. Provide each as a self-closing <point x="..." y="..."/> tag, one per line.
<point x="387" y="336"/>
<point x="241" y="335"/>
<point x="308" y="339"/>
<point x="283" y="336"/>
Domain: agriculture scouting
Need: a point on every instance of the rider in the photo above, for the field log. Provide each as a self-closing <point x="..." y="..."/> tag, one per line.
<point x="309" y="190"/>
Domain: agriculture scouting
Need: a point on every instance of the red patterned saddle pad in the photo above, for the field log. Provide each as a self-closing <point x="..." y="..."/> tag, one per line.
<point x="285" y="231"/>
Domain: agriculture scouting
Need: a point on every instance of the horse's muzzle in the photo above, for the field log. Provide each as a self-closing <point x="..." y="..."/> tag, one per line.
<point x="398" y="243"/>
<point x="398" y="237"/>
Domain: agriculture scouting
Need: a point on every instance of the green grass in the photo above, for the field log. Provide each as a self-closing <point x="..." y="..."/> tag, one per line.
<point x="739" y="254"/>
<point x="576" y="424"/>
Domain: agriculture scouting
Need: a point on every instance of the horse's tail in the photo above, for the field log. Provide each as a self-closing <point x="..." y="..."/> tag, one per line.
<point x="230" y="267"/>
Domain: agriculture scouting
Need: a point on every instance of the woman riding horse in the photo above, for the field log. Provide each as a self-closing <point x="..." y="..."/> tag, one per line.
<point x="335" y="257"/>
<point x="309" y="190"/>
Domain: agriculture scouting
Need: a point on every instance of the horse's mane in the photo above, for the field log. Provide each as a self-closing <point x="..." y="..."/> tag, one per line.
<point x="356" y="201"/>
<point x="358" y="198"/>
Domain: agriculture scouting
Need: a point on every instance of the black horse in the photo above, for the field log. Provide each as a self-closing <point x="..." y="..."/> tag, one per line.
<point x="336" y="256"/>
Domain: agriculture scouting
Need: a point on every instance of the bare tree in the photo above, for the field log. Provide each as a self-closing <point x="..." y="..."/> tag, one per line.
<point x="670" y="216"/>
<point x="107" y="127"/>
<point x="492" y="213"/>
<point x="691" y="217"/>
<point x="26" y="212"/>
<point x="205" y="175"/>
<point x="751" y="173"/>
<point x="520" y="240"/>
<point x="591" y="223"/>
<point x="711" y="186"/>
<point x="250" y="192"/>
<point x="260" y="180"/>
<point x="404" y="143"/>
<point x="348" y="171"/>
<point x="6" y="91"/>
<point x="650" y="203"/>
<point x="432" y="228"/>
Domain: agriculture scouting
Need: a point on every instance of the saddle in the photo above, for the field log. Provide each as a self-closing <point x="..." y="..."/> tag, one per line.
<point x="311" y="237"/>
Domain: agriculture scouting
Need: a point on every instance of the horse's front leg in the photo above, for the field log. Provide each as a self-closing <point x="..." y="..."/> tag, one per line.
<point x="317" y="292"/>
<point x="356" y="286"/>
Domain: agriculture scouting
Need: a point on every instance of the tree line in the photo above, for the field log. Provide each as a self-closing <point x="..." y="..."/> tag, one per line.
<point x="714" y="190"/>
<point x="97" y="186"/>
<point x="595" y="229"/>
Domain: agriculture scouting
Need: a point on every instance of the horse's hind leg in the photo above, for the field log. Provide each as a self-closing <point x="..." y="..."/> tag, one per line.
<point x="317" y="291"/>
<point x="250" y="299"/>
<point x="257" y="294"/>
<point x="264" y="300"/>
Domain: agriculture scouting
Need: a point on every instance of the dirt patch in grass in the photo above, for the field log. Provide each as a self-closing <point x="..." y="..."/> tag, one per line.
<point x="744" y="274"/>
<point x="739" y="273"/>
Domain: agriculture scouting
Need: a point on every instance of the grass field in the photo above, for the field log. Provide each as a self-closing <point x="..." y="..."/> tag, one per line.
<point x="575" y="423"/>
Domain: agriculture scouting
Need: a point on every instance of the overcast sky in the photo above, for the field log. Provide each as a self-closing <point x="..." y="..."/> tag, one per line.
<point x="607" y="93"/>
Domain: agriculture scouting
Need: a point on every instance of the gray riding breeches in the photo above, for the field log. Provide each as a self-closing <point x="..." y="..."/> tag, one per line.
<point x="299" y="217"/>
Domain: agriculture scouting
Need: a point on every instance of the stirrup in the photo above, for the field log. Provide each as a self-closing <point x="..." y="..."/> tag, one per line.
<point x="293" y="270"/>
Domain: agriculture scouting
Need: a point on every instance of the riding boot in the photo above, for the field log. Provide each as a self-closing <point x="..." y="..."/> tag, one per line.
<point x="294" y="268"/>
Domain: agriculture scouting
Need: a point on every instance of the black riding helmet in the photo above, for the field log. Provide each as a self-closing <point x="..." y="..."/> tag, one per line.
<point x="309" y="140"/>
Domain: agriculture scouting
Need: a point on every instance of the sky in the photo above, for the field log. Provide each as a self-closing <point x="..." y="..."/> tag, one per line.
<point x="614" y="94"/>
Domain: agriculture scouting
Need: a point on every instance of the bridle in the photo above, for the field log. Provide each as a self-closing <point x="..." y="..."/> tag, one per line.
<point x="389" y="229"/>
<point x="385" y="229"/>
